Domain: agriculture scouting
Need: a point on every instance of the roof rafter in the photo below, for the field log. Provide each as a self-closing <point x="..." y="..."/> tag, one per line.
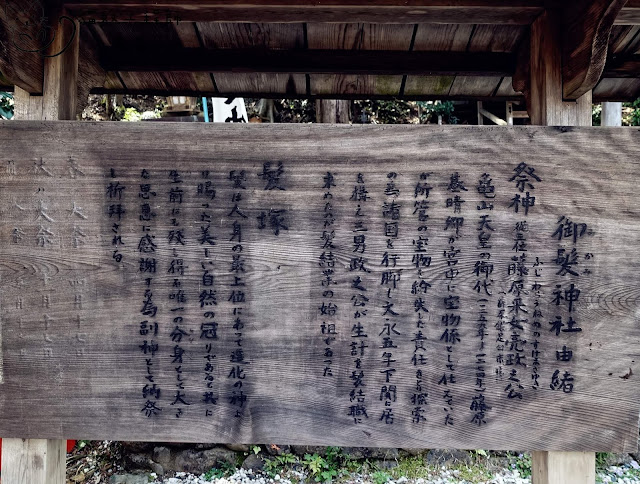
<point x="514" y="12"/>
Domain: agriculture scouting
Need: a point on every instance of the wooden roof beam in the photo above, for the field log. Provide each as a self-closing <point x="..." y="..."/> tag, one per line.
<point x="513" y="12"/>
<point x="21" y="51"/>
<point x="630" y="14"/>
<point x="586" y="28"/>
<point x="623" y="67"/>
<point x="308" y="61"/>
<point x="583" y="29"/>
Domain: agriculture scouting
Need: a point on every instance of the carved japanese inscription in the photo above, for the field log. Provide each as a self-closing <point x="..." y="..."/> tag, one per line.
<point x="387" y="286"/>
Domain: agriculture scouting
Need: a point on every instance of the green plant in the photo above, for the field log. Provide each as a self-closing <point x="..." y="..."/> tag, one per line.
<point x="256" y="449"/>
<point x="213" y="474"/>
<point x="6" y="105"/>
<point x="225" y="469"/>
<point x="380" y="477"/>
<point x="314" y="463"/>
<point x="410" y="467"/>
<point x="602" y="459"/>
<point x="131" y="114"/>
<point x="522" y="463"/>
<point x="480" y="452"/>
<point x="596" y="114"/>
<point x="278" y="464"/>
<point x="472" y="473"/>
<point x="631" y="113"/>
<point x="433" y="109"/>
<point x="321" y="468"/>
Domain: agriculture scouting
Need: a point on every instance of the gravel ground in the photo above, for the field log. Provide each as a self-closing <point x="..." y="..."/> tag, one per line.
<point x="101" y="462"/>
<point x="445" y="476"/>
<point x="619" y="474"/>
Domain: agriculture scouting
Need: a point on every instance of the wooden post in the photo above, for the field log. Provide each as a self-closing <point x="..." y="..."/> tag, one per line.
<point x="611" y="114"/>
<point x="333" y="111"/>
<point x="61" y="72"/>
<point x="42" y="461"/>
<point x="563" y="467"/>
<point x="546" y="107"/>
<point x="33" y="461"/>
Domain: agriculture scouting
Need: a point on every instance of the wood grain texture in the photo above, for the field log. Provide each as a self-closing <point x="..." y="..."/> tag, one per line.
<point x="475" y="86"/>
<point x="60" y="95"/>
<point x="496" y="38"/>
<point x="71" y="315"/>
<point x="620" y="89"/>
<point x="350" y="84"/>
<point x="586" y="29"/>
<point x="563" y="467"/>
<point x="268" y="84"/>
<point x="188" y="34"/>
<point x="419" y="11"/>
<point x="428" y="85"/>
<point x="34" y="461"/>
<point x="90" y="73"/>
<point x="623" y="66"/>
<point x="624" y="40"/>
<point x="439" y="37"/>
<point x="160" y="35"/>
<point x="113" y="82"/>
<point x="251" y="35"/>
<point x="359" y="36"/>
<point x="544" y="89"/>
<point x="386" y="12"/>
<point x="506" y="88"/>
<point x="139" y="81"/>
<point x="333" y="111"/>
<point x="27" y="107"/>
<point x="21" y="61"/>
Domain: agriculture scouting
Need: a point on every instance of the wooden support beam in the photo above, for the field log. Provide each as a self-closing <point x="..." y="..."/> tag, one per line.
<point x="586" y="28"/>
<point x="513" y="12"/>
<point x="517" y="12"/>
<point x="489" y="115"/>
<point x="61" y="70"/>
<point x="581" y="31"/>
<point x="33" y="461"/>
<point x="539" y="76"/>
<point x="21" y="62"/>
<point x="333" y="111"/>
<point x="563" y="467"/>
<point x="43" y="461"/>
<point x="364" y="62"/>
<point x="547" y="107"/>
<point x="300" y="95"/>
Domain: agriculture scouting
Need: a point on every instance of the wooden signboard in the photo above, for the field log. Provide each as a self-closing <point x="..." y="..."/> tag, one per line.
<point x="392" y="286"/>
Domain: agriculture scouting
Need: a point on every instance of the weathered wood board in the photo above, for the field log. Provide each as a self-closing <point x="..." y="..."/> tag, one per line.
<point x="334" y="285"/>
